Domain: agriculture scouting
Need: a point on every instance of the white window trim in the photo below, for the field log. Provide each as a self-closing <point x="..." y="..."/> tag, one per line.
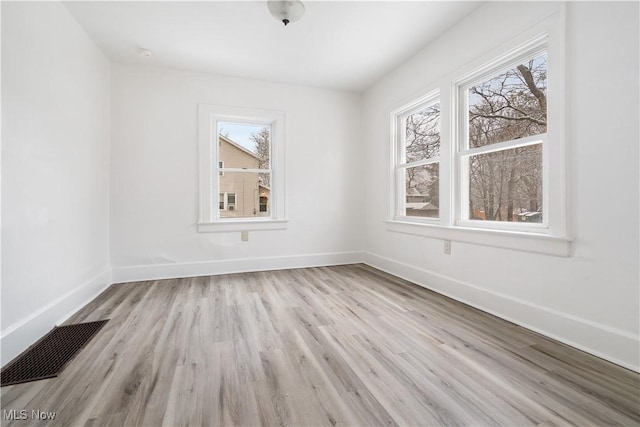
<point x="208" y="214"/>
<point x="551" y="238"/>
<point x="521" y="241"/>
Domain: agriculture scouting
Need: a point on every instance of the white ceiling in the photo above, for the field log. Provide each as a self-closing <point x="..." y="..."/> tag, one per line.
<point x="337" y="44"/>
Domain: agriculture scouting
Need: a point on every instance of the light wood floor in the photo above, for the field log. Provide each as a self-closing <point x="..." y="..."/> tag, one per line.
<point x="346" y="345"/>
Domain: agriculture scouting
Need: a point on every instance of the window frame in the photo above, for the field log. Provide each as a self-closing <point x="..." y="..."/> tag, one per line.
<point x="508" y="60"/>
<point x="400" y="165"/>
<point x="550" y="238"/>
<point x="209" y="115"/>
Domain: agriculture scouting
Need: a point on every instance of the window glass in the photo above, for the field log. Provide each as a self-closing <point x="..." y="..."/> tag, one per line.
<point x="244" y="192"/>
<point x="510" y="105"/>
<point x="422" y="190"/>
<point x="244" y="146"/>
<point x="422" y="134"/>
<point x="506" y="185"/>
<point x="241" y="169"/>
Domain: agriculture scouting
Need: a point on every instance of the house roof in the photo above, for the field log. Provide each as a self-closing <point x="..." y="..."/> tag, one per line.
<point x="238" y="146"/>
<point x="421" y="206"/>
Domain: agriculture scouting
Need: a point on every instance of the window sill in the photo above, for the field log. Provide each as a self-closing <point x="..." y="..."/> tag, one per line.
<point x="521" y="241"/>
<point x="242" y="225"/>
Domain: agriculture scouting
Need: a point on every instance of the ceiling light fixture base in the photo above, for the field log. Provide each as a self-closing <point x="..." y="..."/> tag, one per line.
<point x="286" y="11"/>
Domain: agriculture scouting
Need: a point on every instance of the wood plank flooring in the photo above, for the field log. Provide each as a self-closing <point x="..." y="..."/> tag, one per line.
<point x="344" y="345"/>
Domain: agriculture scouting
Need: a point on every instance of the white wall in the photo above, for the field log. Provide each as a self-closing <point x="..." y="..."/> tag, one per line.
<point x="55" y="128"/>
<point x="590" y="299"/>
<point x="55" y="185"/>
<point x="154" y="182"/>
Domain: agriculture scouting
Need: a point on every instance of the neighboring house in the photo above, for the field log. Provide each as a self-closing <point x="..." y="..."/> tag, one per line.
<point x="422" y="209"/>
<point x="242" y="194"/>
<point x="418" y="204"/>
<point x="414" y="196"/>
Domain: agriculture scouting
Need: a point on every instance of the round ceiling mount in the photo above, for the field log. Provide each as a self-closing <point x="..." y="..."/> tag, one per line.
<point x="286" y="11"/>
<point x="145" y="53"/>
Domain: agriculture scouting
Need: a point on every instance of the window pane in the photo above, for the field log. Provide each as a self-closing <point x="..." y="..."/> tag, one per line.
<point x="510" y="105"/>
<point x="422" y="134"/>
<point x="245" y="191"/>
<point x="506" y="185"/>
<point x="244" y="145"/>
<point x="422" y="191"/>
<point x="221" y="199"/>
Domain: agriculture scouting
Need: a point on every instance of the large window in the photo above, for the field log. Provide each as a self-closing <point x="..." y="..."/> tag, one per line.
<point x="504" y="133"/>
<point x="485" y="151"/>
<point x="241" y="169"/>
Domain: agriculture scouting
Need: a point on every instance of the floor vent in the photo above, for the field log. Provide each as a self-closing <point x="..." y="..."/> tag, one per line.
<point x="48" y="357"/>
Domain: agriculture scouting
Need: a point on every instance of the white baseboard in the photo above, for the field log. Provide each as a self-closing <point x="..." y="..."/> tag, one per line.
<point x="617" y="346"/>
<point x="20" y="335"/>
<point x="208" y="268"/>
<point x="614" y="345"/>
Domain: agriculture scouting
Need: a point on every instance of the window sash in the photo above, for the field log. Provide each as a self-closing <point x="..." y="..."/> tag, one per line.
<point x="401" y="207"/>
<point x="463" y="179"/>
<point x="505" y="145"/>
<point x="222" y="198"/>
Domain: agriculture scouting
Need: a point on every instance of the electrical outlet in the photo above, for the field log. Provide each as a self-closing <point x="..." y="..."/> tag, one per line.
<point x="447" y="247"/>
<point x="244" y="236"/>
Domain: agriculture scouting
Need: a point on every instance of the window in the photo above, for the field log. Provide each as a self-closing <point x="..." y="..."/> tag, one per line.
<point x="264" y="203"/>
<point x="479" y="153"/>
<point x="417" y="129"/>
<point x="245" y="166"/>
<point x="241" y="169"/>
<point x="504" y="134"/>
<point x="227" y="202"/>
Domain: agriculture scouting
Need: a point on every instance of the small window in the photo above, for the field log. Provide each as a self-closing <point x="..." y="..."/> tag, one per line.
<point x="418" y="159"/>
<point x="231" y="204"/>
<point x="264" y="203"/>
<point x="242" y="168"/>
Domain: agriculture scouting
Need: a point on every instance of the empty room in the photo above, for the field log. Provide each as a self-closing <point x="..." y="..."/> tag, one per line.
<point x="357" y="213"/>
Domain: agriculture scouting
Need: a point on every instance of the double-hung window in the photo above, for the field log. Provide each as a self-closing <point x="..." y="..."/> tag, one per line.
<point x="241" y="169"/>
<point x="503" y="137"/>
<point x="480" y="158"/>
<point x="417" y="130"/>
